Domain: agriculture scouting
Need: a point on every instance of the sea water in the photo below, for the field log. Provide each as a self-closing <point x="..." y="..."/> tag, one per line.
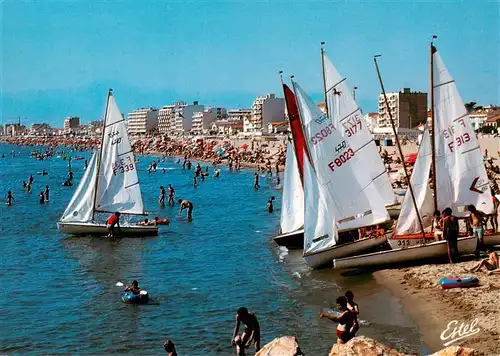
<point x="59" y="292"/>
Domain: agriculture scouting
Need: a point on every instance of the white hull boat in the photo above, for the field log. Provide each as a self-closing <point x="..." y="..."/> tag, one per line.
<point x="101" y="230"/>
<point x="325" y="257"/>
<point x="491" y="240"/>
<point x="397" y="242"/>
<point x="291" y="240"/>
<point x="466" y="245"/>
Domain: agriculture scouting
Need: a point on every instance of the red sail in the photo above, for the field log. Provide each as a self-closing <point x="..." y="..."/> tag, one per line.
<point x="299" y="140"/>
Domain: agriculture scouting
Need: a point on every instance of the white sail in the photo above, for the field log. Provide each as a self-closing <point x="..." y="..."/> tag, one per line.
<point x="80" y="207"/>
<point x="118" y="186"/>
<point x="320" y="230"/>
<point x="461" y="175"/>
<point x="340" y="176"/>
<point x="347" y="118"/>
<point x="292" y="206"/>
<point x="408" y="218"/>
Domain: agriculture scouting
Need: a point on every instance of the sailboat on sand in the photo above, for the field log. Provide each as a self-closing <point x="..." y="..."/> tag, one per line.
<point x="454" y="154"/>
<point x="110" y="184"/>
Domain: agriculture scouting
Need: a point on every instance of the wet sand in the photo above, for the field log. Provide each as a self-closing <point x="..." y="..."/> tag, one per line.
<point x="433" y="308"/>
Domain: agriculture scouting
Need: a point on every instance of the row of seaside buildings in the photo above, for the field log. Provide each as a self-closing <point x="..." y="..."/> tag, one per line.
<point x="267" y="115"/>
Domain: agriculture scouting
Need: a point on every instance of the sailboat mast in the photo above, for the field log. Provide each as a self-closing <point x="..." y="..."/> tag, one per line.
<point x="433" y="126"/>
<point x="399" y="149"/>
<point x="324" y="77"/>
<point x="99" y="156"/>
<point x="306" y="142"/>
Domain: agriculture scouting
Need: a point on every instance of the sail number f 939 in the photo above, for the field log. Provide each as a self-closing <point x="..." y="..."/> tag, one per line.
<point x="123" y="166"/>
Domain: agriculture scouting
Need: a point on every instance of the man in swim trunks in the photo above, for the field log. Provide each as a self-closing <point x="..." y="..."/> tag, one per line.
<point x="450" y="234"/>
<point x="476" y="221"/>
<point x="492" y="264"/>
<point x="161" y="198"/>
<point x="269" y="206"/>
<point x="133" y="288"/>
<point x="171" y="194"/>
<point x="113" y="220"/>
<point x="345" y="320"/>
<point x="251" y="333"/>
<point x="256" y="181"/>
<point x="9" y="199"/>
<point x="186" y="204"/>
<point x="354" y="309"/>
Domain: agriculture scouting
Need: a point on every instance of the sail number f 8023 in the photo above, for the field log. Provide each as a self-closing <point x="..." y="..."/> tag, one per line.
<point x="341" y="159"/>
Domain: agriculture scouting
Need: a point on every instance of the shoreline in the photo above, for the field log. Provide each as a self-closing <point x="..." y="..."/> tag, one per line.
<point x="433" y="308"/>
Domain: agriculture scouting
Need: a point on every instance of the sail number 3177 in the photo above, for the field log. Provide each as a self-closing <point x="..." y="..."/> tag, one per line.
<point x="341" y="159"/>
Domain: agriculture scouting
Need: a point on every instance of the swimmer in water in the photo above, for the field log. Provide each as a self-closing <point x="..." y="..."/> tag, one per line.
<point x="133" y="288"/>
<point x="195" y="183"/>
<point x="251" y="332"/>
<point x="270" y="207"/>
<point x="9" y="198"/>
<point x="161" y="198"/>
<point x="42" y="197"/>
<point x="46" y="193"/>
<point x="186" y="204"/>
<point x="170" y="348"/>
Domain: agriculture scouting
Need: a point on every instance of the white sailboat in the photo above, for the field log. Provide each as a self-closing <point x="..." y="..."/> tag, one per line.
<point x="110" y="184"/>
<point x="335" y="192"/>
<point x="458" y="165"/>
<point x="346" y="116"/>
<point x="292" y="206"/>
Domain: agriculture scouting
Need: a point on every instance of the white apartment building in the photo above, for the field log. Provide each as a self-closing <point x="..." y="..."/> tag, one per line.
<point x="477" y="119"/>
<point x="265" y="109"/>
<point x="202" y="120"/>
<point x="142" y="121"/>
<point x="239" y="114"/>
<point x="166" y="115"/>
<point x="183" y="118"/>
<point x="407" y="109"/>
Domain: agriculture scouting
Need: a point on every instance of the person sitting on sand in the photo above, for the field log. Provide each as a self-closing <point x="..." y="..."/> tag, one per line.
<point x="170" y="348"/>
<point x="354" y="309"/>
<point x="492" y="264"/>
<point x="133" y="288"/>
<point x="251" y="333"/>
<point x="345" y="320"/>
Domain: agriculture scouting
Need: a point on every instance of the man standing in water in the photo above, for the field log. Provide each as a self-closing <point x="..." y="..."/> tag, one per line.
<point x="161" y="198"/>
<point x="186" y="204"/>
<point x="42" y="197"/>
<point x="171" y="194"/>
<point x="256" y="181"/>
<point x="450" y="234"/>
<point x="9" y="199"/>
<point x="250" y="334"/>
<point x="46" y="192"/>
<point x="113" y="220"/>
<point x="269" y="206"/>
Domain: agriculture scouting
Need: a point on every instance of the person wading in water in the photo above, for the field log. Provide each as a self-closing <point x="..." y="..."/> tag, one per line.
<point x="186" y="204"/>
<point x="113" y="220"/>
<point x="161" y="198"/>
<point x="269" y="206"/>
<point x="250" y="334"/>
<point x="345" y="320"/>
<point x="9" y="198"/>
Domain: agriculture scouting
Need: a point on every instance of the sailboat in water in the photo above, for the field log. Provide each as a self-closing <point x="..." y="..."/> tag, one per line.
<point x="292" y="208"/>
<point x="338" y="196"/>
<point x="110" y="184"/>
<point x="459" y="179"/>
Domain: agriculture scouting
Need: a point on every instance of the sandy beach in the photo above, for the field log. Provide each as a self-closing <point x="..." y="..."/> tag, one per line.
<point x="433" y="308"/>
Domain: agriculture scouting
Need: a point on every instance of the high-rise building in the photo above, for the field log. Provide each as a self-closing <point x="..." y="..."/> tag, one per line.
<point x="265" y="109"/>
<point x="166" y="115"/>
<point x="202" y="120"/>
<point x="142" y="121"/>
<point x="71" y="123"/>
<point x="408" y="109"/>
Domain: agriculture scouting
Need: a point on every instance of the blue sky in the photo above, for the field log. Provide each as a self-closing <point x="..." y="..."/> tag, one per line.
<point x="59" y="58"/>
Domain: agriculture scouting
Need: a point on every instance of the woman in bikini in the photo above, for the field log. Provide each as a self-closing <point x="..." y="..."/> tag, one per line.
<point x="492" y="264"/>
<point x="345" y="320"/>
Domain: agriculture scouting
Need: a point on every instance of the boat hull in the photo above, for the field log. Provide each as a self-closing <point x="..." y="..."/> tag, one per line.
<point x="393" y="210"/>
<point x="403" y="241"/>
<point x="319" y="259"/>
<point x="101" y="230"/>
<point x="292" y="240"/>
<point x="466" y="245"/>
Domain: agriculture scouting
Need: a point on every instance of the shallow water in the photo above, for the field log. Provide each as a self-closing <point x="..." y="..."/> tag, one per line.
<point x="59" y="293"/>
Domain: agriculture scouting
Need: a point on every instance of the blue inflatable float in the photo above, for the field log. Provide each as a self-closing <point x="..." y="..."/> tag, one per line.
<point x="131" y="298"/>
<point x="458" y="282"/>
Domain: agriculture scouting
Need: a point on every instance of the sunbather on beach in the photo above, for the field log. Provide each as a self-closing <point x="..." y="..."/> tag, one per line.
<point x="492" y="264"/>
